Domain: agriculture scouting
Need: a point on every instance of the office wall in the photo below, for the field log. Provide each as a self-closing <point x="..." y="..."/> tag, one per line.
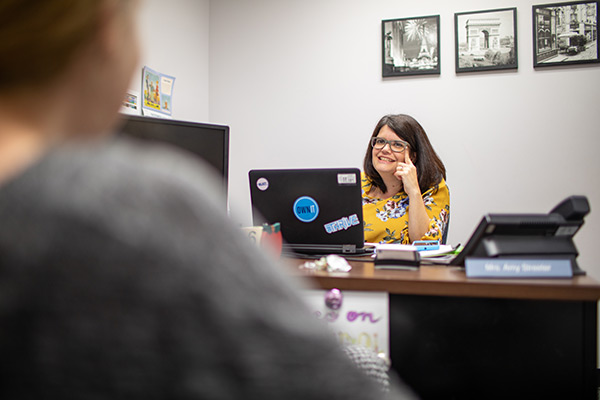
<point x="299" y="82"/>
<point x="174" y="39"/>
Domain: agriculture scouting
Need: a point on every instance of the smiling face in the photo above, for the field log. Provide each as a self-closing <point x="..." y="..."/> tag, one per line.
<point x="385" y="160"/>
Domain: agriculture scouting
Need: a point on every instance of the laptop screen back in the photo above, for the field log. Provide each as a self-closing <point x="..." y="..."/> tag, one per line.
<point x="320" y="210"/>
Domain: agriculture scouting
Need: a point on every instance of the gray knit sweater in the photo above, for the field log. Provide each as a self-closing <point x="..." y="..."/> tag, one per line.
<point x="121" y="277"/>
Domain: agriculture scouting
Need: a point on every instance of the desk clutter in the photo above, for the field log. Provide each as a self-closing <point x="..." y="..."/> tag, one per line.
<point x="330" y="263"/>
<point x="504" y="246"/>
<point x="410" y="256"/>
<point x="266" y="236"/>
<point x="501" y="246"/>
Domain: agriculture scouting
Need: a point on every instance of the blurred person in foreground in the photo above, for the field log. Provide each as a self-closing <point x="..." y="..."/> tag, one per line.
<point x="119" y="276"/>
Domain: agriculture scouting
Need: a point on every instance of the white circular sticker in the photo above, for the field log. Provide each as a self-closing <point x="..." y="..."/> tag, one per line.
<point x="262" y="184"/>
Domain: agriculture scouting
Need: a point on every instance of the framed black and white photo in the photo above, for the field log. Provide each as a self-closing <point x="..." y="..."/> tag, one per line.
<point x="565" y="33"/>
<point x="486" y="40"/>
<point x="411" y="46"/>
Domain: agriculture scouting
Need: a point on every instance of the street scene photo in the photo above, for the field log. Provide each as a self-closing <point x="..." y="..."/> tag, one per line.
<point x="566" y="34"/>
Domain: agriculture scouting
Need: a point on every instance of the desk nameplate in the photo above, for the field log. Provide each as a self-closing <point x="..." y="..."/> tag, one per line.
<point x="517" y="268"/>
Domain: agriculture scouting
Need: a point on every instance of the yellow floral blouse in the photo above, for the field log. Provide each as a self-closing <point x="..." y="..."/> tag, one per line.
<point x="386" y="220"/>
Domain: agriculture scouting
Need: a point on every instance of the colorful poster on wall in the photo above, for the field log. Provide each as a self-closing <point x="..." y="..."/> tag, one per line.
<point x="158" y="93"/>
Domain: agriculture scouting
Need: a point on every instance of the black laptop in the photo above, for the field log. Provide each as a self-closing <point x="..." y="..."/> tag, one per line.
<point x="320" y="210"/>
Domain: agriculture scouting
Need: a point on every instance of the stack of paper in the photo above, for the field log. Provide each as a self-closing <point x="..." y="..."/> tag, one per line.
<point x="443" y="250"/>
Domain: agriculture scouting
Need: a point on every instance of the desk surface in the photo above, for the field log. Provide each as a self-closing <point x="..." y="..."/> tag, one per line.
<point x="450" y="281"/>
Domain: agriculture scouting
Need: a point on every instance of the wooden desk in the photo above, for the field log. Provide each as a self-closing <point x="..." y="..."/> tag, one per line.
<point x="454" y="337"/>
<point x="451" y="281"/>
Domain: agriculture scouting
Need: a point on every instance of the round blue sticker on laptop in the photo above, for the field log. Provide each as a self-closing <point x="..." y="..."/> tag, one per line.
<point x="306" y="209"/>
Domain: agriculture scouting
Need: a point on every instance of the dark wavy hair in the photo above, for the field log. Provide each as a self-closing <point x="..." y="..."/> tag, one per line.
<point x="430" y="168"/>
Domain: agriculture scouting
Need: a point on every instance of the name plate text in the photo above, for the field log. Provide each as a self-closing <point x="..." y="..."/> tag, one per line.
<point x="517" y="268"/>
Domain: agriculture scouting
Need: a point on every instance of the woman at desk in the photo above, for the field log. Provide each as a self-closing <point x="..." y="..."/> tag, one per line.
<point x="405" y="197"/>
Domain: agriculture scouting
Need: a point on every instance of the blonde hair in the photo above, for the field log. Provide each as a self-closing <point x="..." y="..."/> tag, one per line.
<point x="40" y="37"/>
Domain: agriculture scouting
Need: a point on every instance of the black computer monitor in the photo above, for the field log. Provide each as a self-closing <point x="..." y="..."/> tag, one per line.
<point x="210" y="142"/>
<point x="547" y="236"/>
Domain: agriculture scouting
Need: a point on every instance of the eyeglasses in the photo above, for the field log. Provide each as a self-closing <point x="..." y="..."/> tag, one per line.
<point x="397" y="146"/>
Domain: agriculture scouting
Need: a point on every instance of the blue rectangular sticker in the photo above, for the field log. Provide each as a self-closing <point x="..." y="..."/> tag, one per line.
<point x="342" y="223"/>
<point x="423" y="245"/>
<point x="517" y="268"/>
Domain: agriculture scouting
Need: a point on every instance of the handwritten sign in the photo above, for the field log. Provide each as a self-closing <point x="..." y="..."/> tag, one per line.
<point x="362" y="319"/>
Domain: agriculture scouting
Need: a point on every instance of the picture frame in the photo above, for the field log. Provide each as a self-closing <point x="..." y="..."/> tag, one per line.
<point x="410" y="46"/>
<point x="486" y="40"/>
<point x="565" y="33"/>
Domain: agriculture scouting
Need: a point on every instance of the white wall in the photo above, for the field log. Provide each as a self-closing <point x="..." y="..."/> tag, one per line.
<point x="174" y="38"/>
<point x="299" y="82"/>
